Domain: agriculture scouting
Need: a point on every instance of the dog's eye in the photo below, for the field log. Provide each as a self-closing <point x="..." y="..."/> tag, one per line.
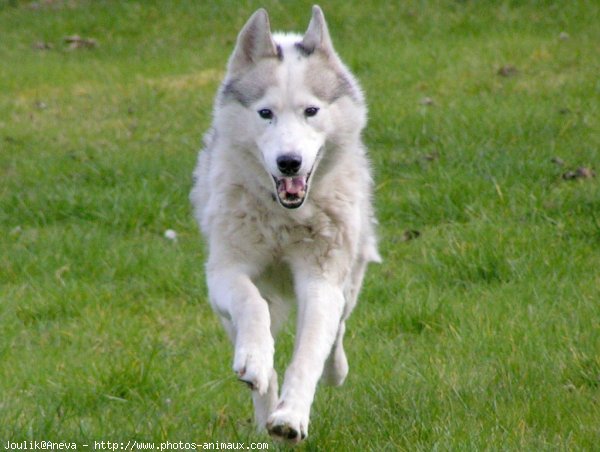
<point x="265" y="113"/>
<point x="311" y="111"/>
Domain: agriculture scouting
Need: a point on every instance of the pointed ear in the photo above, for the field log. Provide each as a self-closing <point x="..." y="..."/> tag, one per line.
<point x="254" y="42"/>
<point x="317" y="35"/>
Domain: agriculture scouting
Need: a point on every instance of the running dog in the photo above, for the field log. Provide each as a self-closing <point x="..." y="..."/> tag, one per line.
<point x="283" y="196"/>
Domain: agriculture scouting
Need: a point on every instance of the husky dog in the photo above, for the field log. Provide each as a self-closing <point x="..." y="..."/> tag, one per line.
<point x="282" y="195"/>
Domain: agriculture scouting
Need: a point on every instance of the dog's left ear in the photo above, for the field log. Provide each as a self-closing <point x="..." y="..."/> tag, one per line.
<point x="317" y="35"/>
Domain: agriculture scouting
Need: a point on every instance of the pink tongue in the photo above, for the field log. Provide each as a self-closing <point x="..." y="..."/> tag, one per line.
<point x="293" y="185"/>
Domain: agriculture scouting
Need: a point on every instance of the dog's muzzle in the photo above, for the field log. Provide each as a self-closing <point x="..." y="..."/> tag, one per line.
<point x="291" y="188"/>
<point x="291" y="191"/>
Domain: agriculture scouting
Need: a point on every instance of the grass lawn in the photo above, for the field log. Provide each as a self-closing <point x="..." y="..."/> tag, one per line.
<point x="481" y="332"/>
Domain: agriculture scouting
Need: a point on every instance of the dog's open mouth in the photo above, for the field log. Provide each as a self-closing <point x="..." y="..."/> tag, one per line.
<point x="291" y="191"/>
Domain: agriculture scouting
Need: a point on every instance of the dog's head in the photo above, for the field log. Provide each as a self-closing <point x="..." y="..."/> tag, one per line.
<point x="287" y="92"/>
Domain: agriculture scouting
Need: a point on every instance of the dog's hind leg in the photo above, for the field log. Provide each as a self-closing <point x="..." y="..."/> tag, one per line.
<point x="264" y="404"/>
<point x="336" y="366"/>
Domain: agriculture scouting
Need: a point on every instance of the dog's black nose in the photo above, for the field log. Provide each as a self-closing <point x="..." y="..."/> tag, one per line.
<point x="289" y="164"/>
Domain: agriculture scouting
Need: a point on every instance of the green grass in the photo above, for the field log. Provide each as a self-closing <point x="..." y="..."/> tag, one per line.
<point x="481" y="334"/>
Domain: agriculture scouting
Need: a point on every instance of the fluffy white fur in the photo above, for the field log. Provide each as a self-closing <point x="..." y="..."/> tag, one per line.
<point x="263" y="256"/>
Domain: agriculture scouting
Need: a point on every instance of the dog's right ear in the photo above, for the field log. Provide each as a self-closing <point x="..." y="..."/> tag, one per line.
<point x="253" y="43"/>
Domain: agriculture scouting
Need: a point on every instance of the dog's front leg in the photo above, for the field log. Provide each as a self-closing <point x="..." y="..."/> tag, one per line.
<point x="246" y="317"/>
<point x="320" y="306"/>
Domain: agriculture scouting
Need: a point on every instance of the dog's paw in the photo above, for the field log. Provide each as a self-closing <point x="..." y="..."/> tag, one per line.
<point x="287" y="425"/>
<point x="254" y="366"/>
